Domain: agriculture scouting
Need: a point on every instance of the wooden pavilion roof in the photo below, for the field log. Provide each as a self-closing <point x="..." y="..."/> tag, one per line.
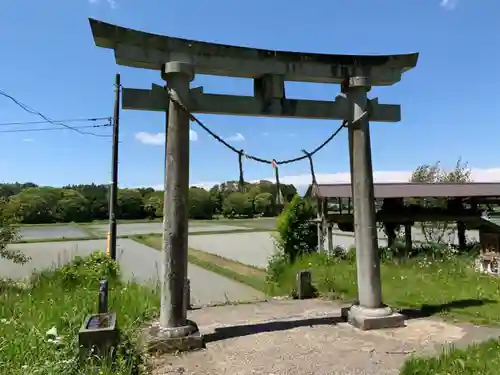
<point x="413" y="190"/>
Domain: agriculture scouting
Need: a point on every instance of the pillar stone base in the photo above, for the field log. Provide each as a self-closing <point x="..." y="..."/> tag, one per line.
<point x="367" y="319"/>
<point x="170" y="340"/>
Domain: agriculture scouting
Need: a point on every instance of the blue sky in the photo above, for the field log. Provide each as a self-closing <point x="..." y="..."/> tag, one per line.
<point x="449" y="102"/>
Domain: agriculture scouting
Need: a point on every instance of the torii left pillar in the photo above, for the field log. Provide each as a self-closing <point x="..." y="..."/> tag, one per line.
<point x="369" y="313"/>
<point x="174" y="331"/>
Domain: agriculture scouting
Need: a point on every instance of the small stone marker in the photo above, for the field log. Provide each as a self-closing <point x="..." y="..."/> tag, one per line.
<point x="103" y="297"/>
<point x="99" y="332"/>
<point x="304" y="285"/>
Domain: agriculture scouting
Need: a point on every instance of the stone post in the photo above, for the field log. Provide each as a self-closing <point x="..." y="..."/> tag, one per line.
<point x="408" y="238"/>
<point x="462" y="239"/>
<point x="370" y="313"/>
<point x="329" y="236"/>
<point x="319" y="229"/>
<point x="175" y="332"/>
<point x="391" y="234"/>
<point x="320" y="224"/>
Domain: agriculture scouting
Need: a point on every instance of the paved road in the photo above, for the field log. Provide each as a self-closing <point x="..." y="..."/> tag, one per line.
<point x="138" y="262"/>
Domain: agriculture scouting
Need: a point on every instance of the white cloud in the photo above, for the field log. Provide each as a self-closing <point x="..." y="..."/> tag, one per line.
<point x="238" y="137"/>
<point x="28" y="140"/>
<point x="158" y="139"/>
<point x="112" y="3"/>
<point x="303" y="180"/>
<point x="448" y="4"/>
<point x="193" y="136"/>
<point x="478" y="175"/>
<point x="265" y="134"/>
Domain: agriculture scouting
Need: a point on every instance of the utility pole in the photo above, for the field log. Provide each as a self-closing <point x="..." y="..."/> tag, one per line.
<point x="114" y="173"/>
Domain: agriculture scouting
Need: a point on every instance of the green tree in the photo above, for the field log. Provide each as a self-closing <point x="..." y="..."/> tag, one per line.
<point x="434" y="232"/>
<point x="153" y="204"/>
<point x="130" y="204"/>
<point x="200" y="204"/>
<point x="97" y="197"/>
<point x="36" y="204"/>
<point x="9" y="234"/>
<point x="216" y="198"/>
<point x="264" y="204"/>
<point x="237" y="204"/>
<point x="72" y="206"/>
<point x="296" y="229"/>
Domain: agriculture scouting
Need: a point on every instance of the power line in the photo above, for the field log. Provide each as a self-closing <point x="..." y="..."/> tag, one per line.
<point x="58" y="128"/>
<point x="35" y="112"/>
<point x="48" y="122"/>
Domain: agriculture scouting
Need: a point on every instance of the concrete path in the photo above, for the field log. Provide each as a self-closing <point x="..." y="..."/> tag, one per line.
<point x="308" y="338"/>
<point x="138" y="262"/>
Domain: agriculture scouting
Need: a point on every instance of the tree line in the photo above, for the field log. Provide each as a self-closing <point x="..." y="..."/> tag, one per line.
<point x="33" y="204"/>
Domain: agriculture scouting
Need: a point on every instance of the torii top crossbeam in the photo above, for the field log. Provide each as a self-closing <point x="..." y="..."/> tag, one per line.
<point x="139" y="49"/>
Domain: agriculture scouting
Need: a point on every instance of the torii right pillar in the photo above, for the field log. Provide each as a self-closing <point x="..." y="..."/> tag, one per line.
<point x="370" y="312"/>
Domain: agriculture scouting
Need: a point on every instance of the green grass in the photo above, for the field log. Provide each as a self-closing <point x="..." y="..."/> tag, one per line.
<point x="451" y="288"/>
<point x="62" y="299"/>
<point x="478" y="359"/>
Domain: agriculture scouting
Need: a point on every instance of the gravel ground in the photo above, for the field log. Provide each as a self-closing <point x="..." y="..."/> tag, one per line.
<point x="137" y="261"/>
<point x="308" y="338"/>
<point x="146" y="228"/>
<point x="47" y="232"/>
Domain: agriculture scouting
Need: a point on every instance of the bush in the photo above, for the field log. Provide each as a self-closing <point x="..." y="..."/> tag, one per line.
<point x="264" y="204"/>
<point x="296" y="237"/>
<point x="93" y="268"/>
<point x="237" y="204"/>
<point x="434" y="251"/>
<point x="58" y="301"/>
<point x="199" y="204"/>
<point x="297" y="232"/>
<point x="9" y="234"/>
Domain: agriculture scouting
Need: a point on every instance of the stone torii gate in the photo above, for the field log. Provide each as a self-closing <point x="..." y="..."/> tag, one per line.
<point x="178" y="60"/>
